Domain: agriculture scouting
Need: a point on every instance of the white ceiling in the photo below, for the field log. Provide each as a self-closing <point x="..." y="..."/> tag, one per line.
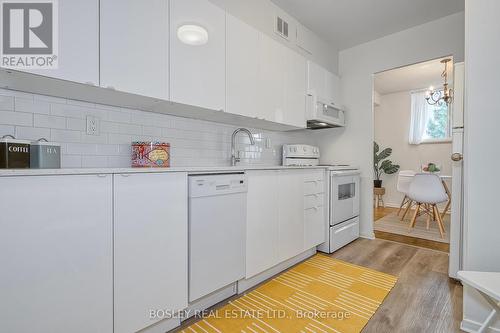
<point x="411" y="77"/>
<point x="346" y="23"/>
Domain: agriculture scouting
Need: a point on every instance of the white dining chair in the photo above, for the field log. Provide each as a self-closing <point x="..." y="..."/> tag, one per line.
<point x="405" y="177"/>
<point x="427" y="190"/>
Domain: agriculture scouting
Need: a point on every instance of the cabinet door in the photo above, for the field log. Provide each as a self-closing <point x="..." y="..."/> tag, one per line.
<point x="134" y="46"/>
<point x="262" y="222"/>
<point x="332" y="86"/>
<point x="295" y="90"/>
<point x="242" y="65"/>
<point x="150" y="247"/>
<point x="271" y="80"/>
<point x="56" y="254"/>
<point x="315" y="208"/>
<point x="291" y="214"/>
<point x="198" y="72"/>
<point x="78" y="58"/>
<point x="316" y="80"/>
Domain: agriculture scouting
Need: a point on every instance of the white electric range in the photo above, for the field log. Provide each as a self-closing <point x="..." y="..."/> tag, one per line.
<point x="343" y="195"/>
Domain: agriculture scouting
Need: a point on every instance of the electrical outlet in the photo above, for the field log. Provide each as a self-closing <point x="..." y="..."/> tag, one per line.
<point x="92" y="125"/>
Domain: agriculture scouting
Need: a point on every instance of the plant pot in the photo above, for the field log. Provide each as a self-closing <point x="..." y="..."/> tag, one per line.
<point x="377" y="183"/>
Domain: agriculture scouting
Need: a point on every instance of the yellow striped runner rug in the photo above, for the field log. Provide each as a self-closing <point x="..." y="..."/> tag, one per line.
<point x="321" y="295"/>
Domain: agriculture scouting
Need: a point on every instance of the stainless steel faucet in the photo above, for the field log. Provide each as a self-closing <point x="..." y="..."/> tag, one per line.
<point x="235" y="159"/>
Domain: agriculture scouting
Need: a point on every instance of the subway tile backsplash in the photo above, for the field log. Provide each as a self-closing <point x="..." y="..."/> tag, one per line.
<point x="193" y="142"/>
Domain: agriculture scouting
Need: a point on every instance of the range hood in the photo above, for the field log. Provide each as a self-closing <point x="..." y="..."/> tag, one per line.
<point x="319" y="124"/>
<point x="321" y="114"/>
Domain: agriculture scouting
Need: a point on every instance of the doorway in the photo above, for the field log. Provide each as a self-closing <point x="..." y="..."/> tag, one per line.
<point x="416" y="132"/>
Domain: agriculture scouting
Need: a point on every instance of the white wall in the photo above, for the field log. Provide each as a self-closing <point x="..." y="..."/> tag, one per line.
<point x="481" y="158"/>
<point x="261" y="14"/>
<point x="357" y="65"/>
<point x="392" y="125"/>
<point x="193" y="142"/>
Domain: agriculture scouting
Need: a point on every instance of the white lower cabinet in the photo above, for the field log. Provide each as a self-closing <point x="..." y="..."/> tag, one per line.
<point x="291" y="213"/>
<point x="315" y="204"/>
<point x="56" y="254"/>
<point x="262" y="221"/>
<point x="282" y="221"/>
<point x="150" y="247"/>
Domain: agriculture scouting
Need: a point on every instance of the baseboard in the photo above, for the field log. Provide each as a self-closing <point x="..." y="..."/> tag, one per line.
<point x="370" y="236"/>
<point x="206" y="302"/>
<point x="470" y="326"/>
<point x="245" y="284"/>
<point x="162" y="326"/>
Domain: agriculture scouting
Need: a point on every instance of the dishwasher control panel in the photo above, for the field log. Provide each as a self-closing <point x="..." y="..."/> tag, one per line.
<point x="217" y="184"/>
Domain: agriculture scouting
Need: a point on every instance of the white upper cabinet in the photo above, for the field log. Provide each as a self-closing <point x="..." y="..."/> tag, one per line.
<point x="281" y="83"/>
<point x="323" y="84"/>
<point x="316" y="80"/>
<point x="271" y="79"/>
<point x="134" y="47"/>
<point x="78" y="58"/>
<point x="242" y="66"/>
<point x="332" y="84"/>
<point x="197" y="72"/>
<point x="295" y="90"/>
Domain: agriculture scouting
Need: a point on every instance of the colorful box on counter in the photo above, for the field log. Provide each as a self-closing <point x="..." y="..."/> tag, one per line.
<point x="150" y="155"/>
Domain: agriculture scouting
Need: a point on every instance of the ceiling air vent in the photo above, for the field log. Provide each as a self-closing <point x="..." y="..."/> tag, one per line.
<point x="281" y="27"/>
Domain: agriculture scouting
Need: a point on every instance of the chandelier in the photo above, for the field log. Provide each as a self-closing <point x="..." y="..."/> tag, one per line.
<point x="439" y="96"/>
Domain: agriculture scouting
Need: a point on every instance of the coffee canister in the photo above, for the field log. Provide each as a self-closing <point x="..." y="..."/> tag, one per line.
<point x="14" y="154"/>
<point x="150" y="154"/>
<point x="45" y="154"/>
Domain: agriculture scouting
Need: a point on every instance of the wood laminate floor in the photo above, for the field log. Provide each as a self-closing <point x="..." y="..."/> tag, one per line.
<point x="424" y="299"/>
<point x="381" y="212"/>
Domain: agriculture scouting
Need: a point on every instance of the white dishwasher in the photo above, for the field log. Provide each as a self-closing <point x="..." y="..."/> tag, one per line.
<point x="217" y="219"/>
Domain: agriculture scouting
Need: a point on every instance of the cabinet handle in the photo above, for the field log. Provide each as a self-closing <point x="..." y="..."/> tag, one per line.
<point x="90" y="83"/>
<point x="125" y="175"/>
<point x="102" y="175"/>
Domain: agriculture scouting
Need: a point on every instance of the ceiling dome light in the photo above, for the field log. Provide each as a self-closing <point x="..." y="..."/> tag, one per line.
<point x="191" y="34"/>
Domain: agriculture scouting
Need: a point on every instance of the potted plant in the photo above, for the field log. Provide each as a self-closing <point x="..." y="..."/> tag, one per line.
<point x="431" y="167"/>
<point x="381" y="164"/>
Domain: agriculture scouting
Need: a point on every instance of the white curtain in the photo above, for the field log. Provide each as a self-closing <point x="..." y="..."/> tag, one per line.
<point x="419" y="117"/>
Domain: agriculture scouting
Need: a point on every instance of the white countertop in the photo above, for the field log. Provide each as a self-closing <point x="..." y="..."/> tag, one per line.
<point x="191" y="170"/>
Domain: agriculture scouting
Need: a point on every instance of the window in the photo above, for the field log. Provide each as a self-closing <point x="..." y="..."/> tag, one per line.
<point x="438" y="124"/>
<point x="429" y="123"/>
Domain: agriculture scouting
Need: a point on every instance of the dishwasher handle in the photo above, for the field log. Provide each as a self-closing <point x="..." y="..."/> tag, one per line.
<point x="212" y="185"/>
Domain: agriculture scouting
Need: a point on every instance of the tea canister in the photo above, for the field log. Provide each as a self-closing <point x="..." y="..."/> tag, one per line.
<point x="14" y="154"/>
<point x="150" y="155"/>
<point x="45" y="155"/>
